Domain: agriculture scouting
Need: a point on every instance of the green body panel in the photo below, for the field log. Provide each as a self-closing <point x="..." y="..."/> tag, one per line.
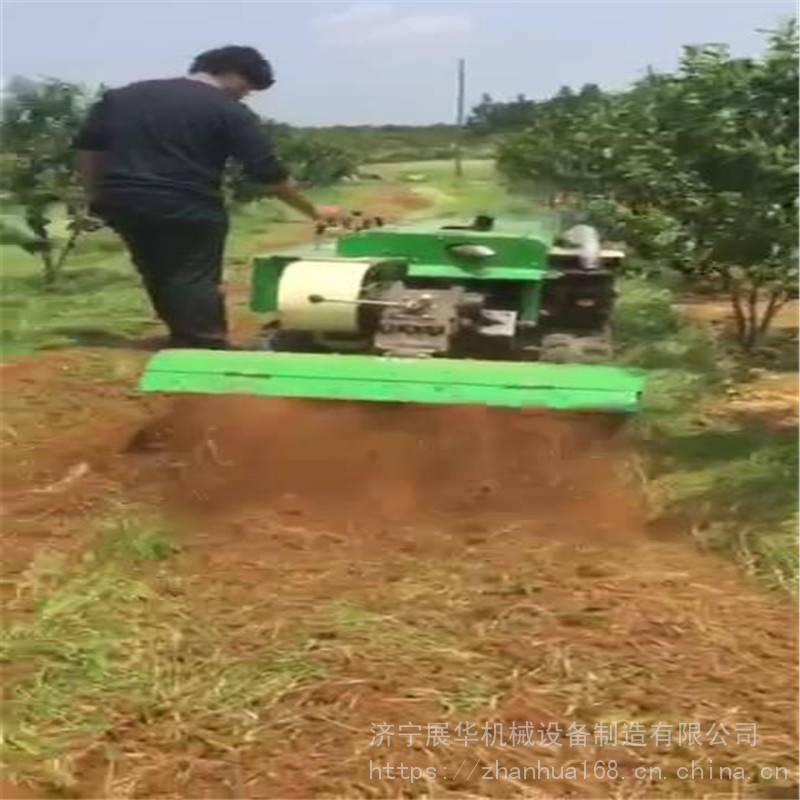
<point x="267" y="271"/>
<point x="452" y="272"/>
<point x="520" y="256"/>
<point x="430" y="251"/>
<point x="374" y="378"/>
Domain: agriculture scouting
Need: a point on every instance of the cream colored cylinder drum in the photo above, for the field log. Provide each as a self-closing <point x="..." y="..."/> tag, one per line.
<point x="336" y="280"/>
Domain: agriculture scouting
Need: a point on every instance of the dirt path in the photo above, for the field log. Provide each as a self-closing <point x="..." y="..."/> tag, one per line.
<point x="772" y="397"/>
<point x="475" y="573"/>
<point x="718" y="311"/>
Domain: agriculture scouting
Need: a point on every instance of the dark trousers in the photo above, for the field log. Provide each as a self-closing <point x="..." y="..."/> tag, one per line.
<point x="180" y="263"/>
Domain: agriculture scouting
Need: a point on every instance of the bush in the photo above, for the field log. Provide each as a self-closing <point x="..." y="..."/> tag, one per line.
<point x="697" y="168"/>
<point x="39" y="122"/>
<point x="310" y="160"/>
<point x="643" y="313"/>
<point x="733" y="486"/>
<point x="739" y="489"/>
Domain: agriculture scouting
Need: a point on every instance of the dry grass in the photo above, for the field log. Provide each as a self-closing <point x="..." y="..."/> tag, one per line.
<point x="128" y="676"/>
<point x="99" y="647"/>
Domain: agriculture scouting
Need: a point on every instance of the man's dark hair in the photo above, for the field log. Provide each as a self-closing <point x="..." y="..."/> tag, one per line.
<point x="244" y="61"/>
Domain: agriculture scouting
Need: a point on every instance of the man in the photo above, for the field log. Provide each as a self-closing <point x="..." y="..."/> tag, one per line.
<point x="151" y="157"/>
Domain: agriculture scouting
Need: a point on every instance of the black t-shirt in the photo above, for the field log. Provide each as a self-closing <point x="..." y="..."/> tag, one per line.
<point x="165" y="145"/>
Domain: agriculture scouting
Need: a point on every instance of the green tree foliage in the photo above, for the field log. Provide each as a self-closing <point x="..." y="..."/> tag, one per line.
<point x="492" y="117"/>
<point x="389" y="143"/>
<point x="696" y="168"/>
<point x="310" y="158"/>
<point x="313" y="160"/>
<point x="40" y="120"/>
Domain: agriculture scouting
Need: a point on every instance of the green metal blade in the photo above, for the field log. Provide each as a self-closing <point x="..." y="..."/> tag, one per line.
<point x="396" y="380"/>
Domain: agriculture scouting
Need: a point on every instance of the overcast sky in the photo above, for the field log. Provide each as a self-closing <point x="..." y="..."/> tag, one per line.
<point x="375" y="63"/>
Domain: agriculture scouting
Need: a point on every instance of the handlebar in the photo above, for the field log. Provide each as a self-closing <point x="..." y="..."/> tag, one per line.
<point x="353" y="222"/>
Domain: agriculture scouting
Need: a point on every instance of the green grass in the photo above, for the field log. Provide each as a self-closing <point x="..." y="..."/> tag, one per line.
<point x="250" y="222"/>
<point x="135" y="538"/>
<point x="76" y="635"/>
<point x="99" y="299"/>
<point x="111" y="648"/>
<point x="99" y="292"/>
<point x="478" y="192"/>
<point x="90" y="646"/>
<point x="440" y="170"/>
<point x="734" y="486"/>
<point x="114" y="643"/>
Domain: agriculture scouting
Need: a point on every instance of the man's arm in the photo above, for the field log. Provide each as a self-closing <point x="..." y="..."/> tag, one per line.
<point x="253" y="150"/>
<point x="287" y="192"/>
<point x="91" y="144"/>
<point x="89" y="166"/>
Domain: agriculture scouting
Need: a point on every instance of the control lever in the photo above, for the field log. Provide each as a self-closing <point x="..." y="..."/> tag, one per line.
<point x="355" y="221"/>
<point x="421" y="303"/>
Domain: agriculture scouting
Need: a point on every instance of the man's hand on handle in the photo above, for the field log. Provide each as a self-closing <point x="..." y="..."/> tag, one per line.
<point x="332" y="214"/>
<point x="326" y="216"/>
<point x="288" y="192"/>
<point x="353" y="222"/>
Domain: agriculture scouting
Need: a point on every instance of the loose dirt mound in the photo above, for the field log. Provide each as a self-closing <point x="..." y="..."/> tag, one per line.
<point x="366" y="463"/>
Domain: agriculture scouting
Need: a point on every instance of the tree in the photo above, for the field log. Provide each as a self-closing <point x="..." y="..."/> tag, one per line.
<point x="314" y="161"/>
<point x="558" y="148"/>
<point x="310" y="159"/>
<point x="40" y="121"/>
<point x="491" y="116"/>
<point x="590" y="91"/>
<point x="699" y="166"/>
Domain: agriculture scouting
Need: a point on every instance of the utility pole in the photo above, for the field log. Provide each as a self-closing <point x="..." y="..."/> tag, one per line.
<point x="460" y="119"/>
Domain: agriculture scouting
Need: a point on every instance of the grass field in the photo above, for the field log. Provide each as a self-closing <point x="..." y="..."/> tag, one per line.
<point x="100" y="291"/>
<point x="437" y="171"/>
<point x="728" y="478"/>
<point x="99" y="294"/>
<point x="179" y="623"/>
<point x="478" y="191"/>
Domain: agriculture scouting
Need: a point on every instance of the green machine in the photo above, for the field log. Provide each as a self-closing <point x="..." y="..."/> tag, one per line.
<point x="459" y="314"/>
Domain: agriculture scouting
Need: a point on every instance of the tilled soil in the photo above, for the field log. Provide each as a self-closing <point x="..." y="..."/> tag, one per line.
<point x="362" y="465"/>
<point x="500" y="569"/>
